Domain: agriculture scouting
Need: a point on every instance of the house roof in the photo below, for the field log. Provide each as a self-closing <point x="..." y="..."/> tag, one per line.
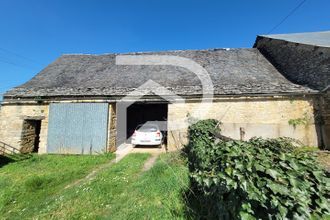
<point x="233" y="72"/>
<point x="321" y="39"/>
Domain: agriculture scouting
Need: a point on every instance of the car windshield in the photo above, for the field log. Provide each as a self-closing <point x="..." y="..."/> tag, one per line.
<point x="147" y="128"/>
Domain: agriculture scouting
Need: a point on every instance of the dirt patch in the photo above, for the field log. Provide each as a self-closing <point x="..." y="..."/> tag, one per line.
<point x="150" y="162"/>
<point x="91" y="175"/>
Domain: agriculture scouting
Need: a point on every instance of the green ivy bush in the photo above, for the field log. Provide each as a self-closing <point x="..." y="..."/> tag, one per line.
<point x="255" y="179"/>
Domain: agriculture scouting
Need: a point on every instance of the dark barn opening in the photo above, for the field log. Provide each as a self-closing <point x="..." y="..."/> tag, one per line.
<point x="30" y="136"/>
<point x="140" y="113"/>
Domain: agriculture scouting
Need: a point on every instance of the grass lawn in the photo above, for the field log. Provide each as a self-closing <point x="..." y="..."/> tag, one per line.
<point x="34" y="189"/>
<point x="27" y="186"/>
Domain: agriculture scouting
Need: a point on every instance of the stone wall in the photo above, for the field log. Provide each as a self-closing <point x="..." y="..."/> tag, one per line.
<point x="112" y="128"/>
<point x="241" y="117"/>
<point x="325" y="109"/>
<point x="248" y="117"/>
<point x="301" y="64"/>
<point x="19" y="134"/>
<point x="16" y="133"/>
<point x="11" y="123"/>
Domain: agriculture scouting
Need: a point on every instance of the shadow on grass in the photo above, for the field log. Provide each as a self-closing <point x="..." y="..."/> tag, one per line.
<point x="200" y="206"/>
<point x="5" y="160"/>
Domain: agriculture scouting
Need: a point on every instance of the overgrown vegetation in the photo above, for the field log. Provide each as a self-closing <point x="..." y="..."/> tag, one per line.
<point x="234" y="179"/>
<point x="256" y="179"/>
<point x="299" y="121"/>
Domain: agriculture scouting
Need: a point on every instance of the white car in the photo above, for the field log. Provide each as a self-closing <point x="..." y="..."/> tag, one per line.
<point x="147" y="134"/>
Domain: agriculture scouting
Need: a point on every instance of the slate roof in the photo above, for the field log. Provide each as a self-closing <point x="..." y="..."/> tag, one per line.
<point x="321" y="38"/>
<point x="233" y="72"/>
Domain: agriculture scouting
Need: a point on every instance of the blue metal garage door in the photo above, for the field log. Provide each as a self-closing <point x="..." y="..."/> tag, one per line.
<point x="77" y="128"/>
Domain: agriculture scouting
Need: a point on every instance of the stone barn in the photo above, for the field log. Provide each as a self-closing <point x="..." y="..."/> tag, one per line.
<point x="304" y="59"/>
<point x="278" y="88"/>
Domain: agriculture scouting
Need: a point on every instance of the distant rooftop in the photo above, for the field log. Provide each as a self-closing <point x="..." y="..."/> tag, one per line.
<point x="312" y="38"/>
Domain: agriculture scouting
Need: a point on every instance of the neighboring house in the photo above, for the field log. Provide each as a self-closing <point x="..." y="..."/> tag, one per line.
<point x="277" y="88"/>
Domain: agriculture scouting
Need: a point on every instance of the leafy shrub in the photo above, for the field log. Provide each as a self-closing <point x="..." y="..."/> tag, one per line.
<point x="260" y="178"/>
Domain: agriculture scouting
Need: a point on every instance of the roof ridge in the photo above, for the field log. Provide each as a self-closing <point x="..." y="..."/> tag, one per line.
<point x="160" y="51"/>
<point x="308" y="32"/>
<point x="320" y="38"/>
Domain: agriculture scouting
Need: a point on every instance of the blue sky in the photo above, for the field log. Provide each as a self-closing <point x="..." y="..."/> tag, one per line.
<point x="34" y="33"/>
